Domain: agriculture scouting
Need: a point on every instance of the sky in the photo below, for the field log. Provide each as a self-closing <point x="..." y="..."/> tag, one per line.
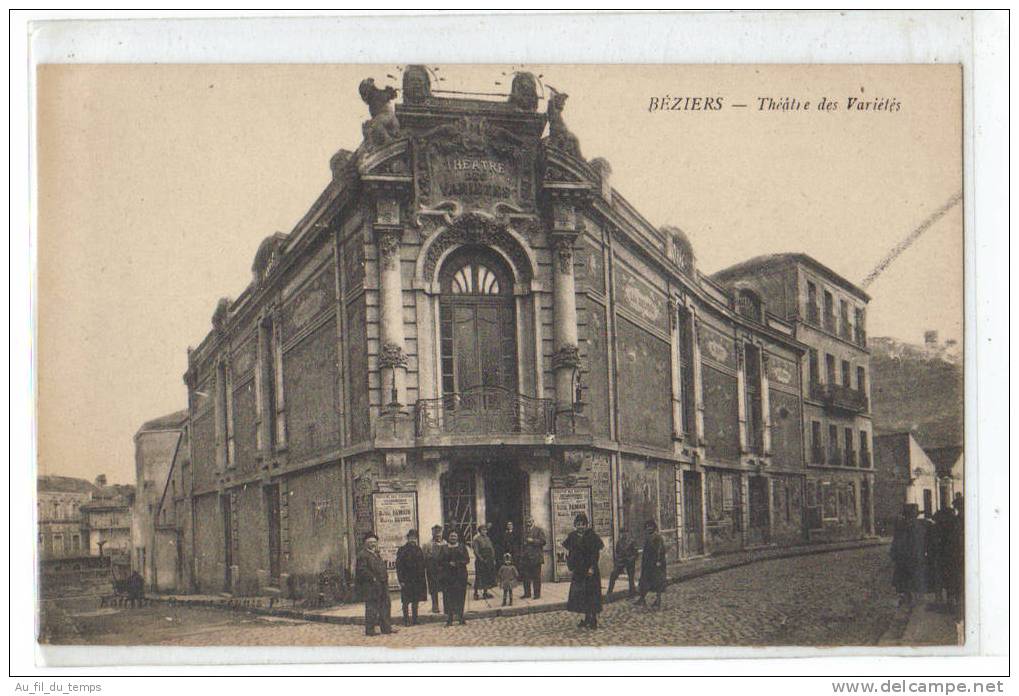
<point x="156" y="183"/>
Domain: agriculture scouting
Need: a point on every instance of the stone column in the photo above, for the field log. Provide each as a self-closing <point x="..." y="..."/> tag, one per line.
<point x="392" y="361"/>
<point x="566" y="359"/>
<point x="677" y="405"/>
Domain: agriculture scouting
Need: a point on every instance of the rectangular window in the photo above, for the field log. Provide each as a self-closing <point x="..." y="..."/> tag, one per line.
<point x="829" y="312"/>
<point x="829" y="501"/>
<point x="829" y="364"/>
<point x="75" y="543"/>
<point x="834" y="456"/>
<point x="850" y="456"/>
<point x="861" y="380"/>
<point x="813" y="312"/>
<point x="816" y="444"/>
<point x="270" y="405"/>
<point x="815" y="368"/>
<point x="851" y="500"/>
<point x="846" y="374"/>
<point x="860" y="331"/>
<point x="864" y="450"/>
<point x="754" y="393"/>
<point x="686" y="370"/>
<point x="844" y="320"/>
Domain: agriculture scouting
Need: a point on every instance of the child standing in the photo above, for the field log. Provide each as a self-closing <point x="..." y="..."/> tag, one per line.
<point x="508" y="577"/>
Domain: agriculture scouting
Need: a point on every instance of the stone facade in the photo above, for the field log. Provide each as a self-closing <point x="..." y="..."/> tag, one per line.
<point x="469" y="324"/>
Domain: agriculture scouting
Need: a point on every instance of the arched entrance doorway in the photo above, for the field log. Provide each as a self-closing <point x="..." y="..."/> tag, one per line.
<point x="477" y="322"/>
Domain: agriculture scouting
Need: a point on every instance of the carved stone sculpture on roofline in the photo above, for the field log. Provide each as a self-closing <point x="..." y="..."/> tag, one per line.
<point x="559" y="136"/>
<point x="382" y="128"/>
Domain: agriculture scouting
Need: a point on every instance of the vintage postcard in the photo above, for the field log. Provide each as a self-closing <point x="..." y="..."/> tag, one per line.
<point x="490" y="355"/>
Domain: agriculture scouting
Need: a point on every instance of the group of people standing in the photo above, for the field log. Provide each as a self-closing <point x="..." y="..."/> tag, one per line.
<point x="440" y="566"/>
<point x="928" y="554"/>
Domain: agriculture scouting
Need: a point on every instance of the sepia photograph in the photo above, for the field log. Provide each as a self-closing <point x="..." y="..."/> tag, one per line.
<point x="486" y="355"/>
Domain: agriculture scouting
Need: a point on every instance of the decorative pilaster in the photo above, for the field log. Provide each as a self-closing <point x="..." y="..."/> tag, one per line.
<point x="677" y="406"/>
<point x="392" y="361"/>
<point x="741" y="390"/>
<point x="765" y="404"/>
<point x="566" y="360"/>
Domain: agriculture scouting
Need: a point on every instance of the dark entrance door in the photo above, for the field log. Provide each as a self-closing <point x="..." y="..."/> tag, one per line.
<point x="506" y="488"/>
<point x="272" y="506"/>
<point x="760" y="523"/>
<point x="477" y="321"/>
<point x="228" y="543"/>
<point x="459" y="502"/>
<point x="693" y="536"/>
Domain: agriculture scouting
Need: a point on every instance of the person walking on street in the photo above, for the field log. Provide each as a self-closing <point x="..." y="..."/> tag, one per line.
<point x="652" y="565"/>
<point x="484" y="562"/>
<point x="532" y="556"/>
<point x="135" y="589"/>
<point x="955" y="557"/>
<point x="508" y="577"/>
<point x="583" y="547"/>
<point x="372" y="580"/>
<point x="454" y="559"/>
<point x="909" y="555"/>
<point x="432" y="551"/>
<point x="410" y="571"/>
<point x="624" y="561"/>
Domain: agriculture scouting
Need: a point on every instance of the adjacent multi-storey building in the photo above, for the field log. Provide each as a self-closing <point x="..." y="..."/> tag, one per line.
<point x="60" y="528"/>
<point x="156" y="445"/>
<point x="107" y="519"/>
<point x="829" y="315"/>
<point x="472" y="325"/>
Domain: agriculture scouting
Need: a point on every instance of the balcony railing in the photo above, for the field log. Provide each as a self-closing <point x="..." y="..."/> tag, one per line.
<point x="816" y="455"/>
<point x="839" y="397"/>
<point x="850" y="459"/>
<point x="485" y="411"/>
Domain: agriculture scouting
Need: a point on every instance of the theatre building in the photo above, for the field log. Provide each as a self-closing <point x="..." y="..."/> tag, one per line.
<point x="471" y="325"/>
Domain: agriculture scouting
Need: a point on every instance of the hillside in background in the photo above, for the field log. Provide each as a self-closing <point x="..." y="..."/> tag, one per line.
<point x="917" y="388"/>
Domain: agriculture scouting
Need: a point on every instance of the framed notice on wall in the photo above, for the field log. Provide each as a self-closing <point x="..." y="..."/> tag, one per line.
<point x="566" y="503"/>
<point x="393" y="515"/>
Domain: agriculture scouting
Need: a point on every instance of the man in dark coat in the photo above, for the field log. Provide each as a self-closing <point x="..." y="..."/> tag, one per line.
<point x="955" y="556"/>
<point x="432" y="551"/>
<point x="484" y="562"/>
<point x="583" y="546"/>
<point x="624" y="561"/>
<point x="909" y="555"/>
<point x="410" y="571"/>
<point x="372" y="580"/>
<point x="454" y="559"/>
<point x="532" y="556"/>
<point x="652" y="565"/>
<point x="135" y="589"/>
<point x="509" y="542"/>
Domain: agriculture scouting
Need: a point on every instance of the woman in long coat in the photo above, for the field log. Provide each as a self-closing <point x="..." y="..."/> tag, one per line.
<point x="454" y="586"/>
<point x="652" y="565"/>
<point x="484" y="562"/>
<point x="583" y="546"/>
<point x="909" y="555"/>
<point x="410" y="571"/>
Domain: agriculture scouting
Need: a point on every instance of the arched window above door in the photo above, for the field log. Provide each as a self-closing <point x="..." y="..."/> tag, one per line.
<point x="475" y="279"/>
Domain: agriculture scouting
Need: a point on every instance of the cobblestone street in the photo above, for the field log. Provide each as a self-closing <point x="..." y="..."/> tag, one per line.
<point x="839" y="598"/>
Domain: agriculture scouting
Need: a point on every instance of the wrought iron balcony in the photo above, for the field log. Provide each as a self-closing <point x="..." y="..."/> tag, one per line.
<point x="838" y="397"/>
<point x="486" y="410"/>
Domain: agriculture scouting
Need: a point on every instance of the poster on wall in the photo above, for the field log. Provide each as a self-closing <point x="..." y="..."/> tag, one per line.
<point x="394" y="514"/>
<point x="566" y="504"/>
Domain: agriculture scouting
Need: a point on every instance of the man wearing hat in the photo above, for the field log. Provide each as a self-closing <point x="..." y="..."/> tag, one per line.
<point x="432" y="551"/>
<point x="652" y="565"/>
<point x="372" y="580"/>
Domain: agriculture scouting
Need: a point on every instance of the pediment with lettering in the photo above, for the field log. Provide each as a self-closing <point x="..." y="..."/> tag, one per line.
<point x="474" y="164"/>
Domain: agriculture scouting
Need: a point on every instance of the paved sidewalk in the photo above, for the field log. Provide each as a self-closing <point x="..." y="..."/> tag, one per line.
<point x="924" y="624"/>
<point x="553" y="597"/>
